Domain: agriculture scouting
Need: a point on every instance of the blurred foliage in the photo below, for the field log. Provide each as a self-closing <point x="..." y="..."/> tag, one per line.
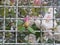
<point x="8" y="24"/>
<point x="10" y="37"/>
<point x="1" y="24"/>
<point x="2" y="12"/>
<point x="31" y="29"/>
<point x="22" y="28"/>
<point x="38" y="11"/>
<point x="34" y="11"/>
<point x="0" y="2"/>
<point x="50" y="41"/>
<point x="24" y="12"/>
<point x="20" y="25"/>
<point x="10" y="13"/>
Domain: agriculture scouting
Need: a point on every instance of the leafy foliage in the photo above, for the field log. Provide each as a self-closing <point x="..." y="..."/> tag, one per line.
<point x="2" y="12"/>
<point x="10" y="13"/>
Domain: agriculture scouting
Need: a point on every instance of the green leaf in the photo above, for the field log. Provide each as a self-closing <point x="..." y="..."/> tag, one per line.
<point x="20" y="25"/>
<point x="20" y="22"/>
<point x="21" y="28"/>
<point x="31" y="30"/>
